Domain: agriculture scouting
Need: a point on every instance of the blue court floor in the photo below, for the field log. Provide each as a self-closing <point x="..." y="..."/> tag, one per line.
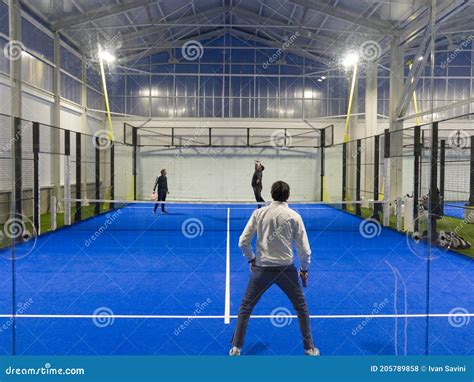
<point x="132" y="282"/>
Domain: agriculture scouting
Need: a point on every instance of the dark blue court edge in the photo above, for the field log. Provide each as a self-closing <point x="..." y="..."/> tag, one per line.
<point x="237" y="369"/>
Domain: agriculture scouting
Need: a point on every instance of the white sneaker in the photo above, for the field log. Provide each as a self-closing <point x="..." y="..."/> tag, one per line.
<point x="312" y="352"/>
<point x="235" y="351"/>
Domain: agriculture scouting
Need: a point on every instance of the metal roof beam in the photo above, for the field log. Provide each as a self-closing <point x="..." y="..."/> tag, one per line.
<point x="104" y="35"/>
<point x="170" y="45"/>
<point x="201" y="16"/>
<point x="245" y="15"/>
<point x="412" y="31"/>
<point x="443" y="12"/>
<point x="98" y="13"/>
<point x="457" y="21"/>
<point x="165" y="45"/>
<point x="416" y="70"/>
<point x="298" y="50"/>
<point x="346" y="15"/>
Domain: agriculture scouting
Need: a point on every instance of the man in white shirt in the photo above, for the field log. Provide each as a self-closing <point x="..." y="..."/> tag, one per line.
<point x="277" y="226"/>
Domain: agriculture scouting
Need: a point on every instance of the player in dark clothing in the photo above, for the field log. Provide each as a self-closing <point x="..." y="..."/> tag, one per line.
<point x="162" y="184"/>
<point x="257" y="182"/>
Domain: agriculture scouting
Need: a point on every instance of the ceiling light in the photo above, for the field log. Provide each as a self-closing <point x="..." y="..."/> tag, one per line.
<point x="106" y="56"/>
<point x="350" y="59"/>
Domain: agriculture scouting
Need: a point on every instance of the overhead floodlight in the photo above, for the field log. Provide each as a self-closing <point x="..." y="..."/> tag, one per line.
<point x="106" y="56"/>
<point x="421" y="58"/>
<point x="350" y="59"/>
<point x="323" y="77"/>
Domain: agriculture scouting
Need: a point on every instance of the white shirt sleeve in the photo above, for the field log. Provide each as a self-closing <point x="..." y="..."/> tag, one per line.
<point x="245" y="241"/>
<point x="302" y="244"/>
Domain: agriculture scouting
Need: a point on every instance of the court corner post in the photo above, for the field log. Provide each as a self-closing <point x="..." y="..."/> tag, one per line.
<point x="386" y="177"/>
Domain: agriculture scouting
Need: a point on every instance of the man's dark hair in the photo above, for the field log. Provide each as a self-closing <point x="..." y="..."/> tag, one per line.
<point x="280" y="191"/>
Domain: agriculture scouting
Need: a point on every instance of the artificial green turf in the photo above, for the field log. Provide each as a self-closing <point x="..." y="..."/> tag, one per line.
<point x="466" y="231"/>
<point x="45" y="223"/>
<point x="449" y="224"/>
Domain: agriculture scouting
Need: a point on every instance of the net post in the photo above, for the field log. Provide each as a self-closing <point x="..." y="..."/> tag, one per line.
<point x="97" y="176"/>
<point x="67" y="181"/>
<point x="358" y="176"/>
<point x="17" y="170"/>
<point x="468" y="215"/>
<point x="323" y="145"/>
<point x="344" y="174"/>
<point x="471" y="172"/>
<point x="112" y="174"/>
<point x="54" y="213"/>
<point x="386" y="177"/>
<point x="134" y="165"/>
<point x="78" y="212"/>
<point x="36" y="180"/>
<point x="376" y="176"/>
<point x="433" y="193"/>
<point x="248" y="137"/>
<point x="416" y="175"/>
<point x="442" y="172"/>
<point x="398" y="209"/>
<point x="14" y="13"/>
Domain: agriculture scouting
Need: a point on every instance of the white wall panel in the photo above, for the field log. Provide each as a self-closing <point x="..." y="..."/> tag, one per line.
<point x="225" y="174"/>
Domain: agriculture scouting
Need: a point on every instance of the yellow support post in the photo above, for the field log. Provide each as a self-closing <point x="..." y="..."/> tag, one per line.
<point x="351" y="97"/>
<point x="106" y="97"/>
<point x="107" y="107"/>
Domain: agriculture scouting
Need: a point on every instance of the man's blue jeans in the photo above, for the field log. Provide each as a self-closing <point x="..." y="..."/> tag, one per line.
<point x="262" y="278"/>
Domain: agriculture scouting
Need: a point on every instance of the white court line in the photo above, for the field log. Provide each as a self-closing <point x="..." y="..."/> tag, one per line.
<point x="154" y="317"/>
<point x="227" y="273"/>
<point x="222" y="202"/>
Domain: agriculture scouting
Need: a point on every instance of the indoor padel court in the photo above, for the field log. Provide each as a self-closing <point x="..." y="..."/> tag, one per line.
<point x="139" y="139"/>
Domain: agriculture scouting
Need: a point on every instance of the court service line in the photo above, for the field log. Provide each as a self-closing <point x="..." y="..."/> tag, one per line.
<point x="263" y="316"/>
<point x="227" y="273"/>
